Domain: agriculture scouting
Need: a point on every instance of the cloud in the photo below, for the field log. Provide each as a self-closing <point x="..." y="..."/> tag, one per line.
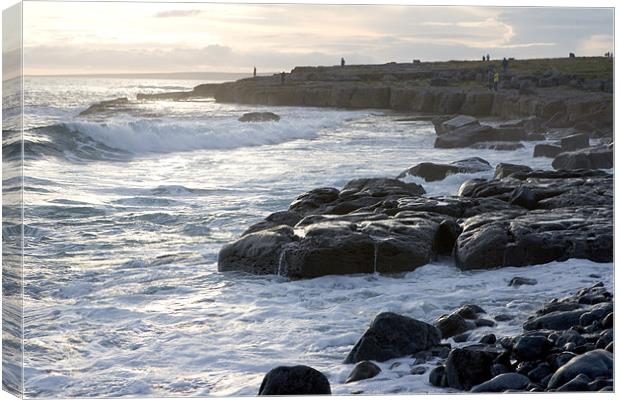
<point x="596" y="45"/>
<point x="178" y="13"/>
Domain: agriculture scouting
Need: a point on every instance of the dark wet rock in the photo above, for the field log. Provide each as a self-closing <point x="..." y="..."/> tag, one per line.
<point x="488" y="339"/>
<point x="391" y="336"/>
<point x="256" y="253"/>
<point x="600" y="384"/>
<point x="503" y="382"/>
<point x="569" y="336"/>
<point x="484" y="322"/>
<point x="610" y="347"/>
<point x="106" y="105"/>
<point x="531" y="347"/>
<point x="607" y="336"/>
<point x="540" y="372"/>
<point x="297" y="380"/>
<point x="443" y="126"/>
<point x="436" y="172"/>
<point x="593" y="364"/>
<point x="314" y="200"/>
<point x="546" y="150"/>
<point x="337" y="246"/>
<point x="259" y="117"/>
<point x="524" y="197"/>
<point x="470" y="311"/>
<point x="363" y="370"/>
<point x="465" y="136"/>
<point x="470" y="366"/>
<point x="461" y="337"/>
<point x="601" y="157"/>
<point x="520" y="280"/>
<point x="595" y="313"/>
<point x="445" y="237"/>
<point x="503" y="170"/>
<point x="499" y="369"/>
<point x="577" y="384"/>
<point x="417" y="370"/>
<point x="575" y="142"/>
<point x="608" y="321"/>
<point x="516" y="238"/>
<point x="560" y="359"/>
<point x="557" y="320"/>
<point x="503" y="317"/>
<point x="453" y="324"/>
<point x="437" y="377"/>
<point x="288" y="218"/>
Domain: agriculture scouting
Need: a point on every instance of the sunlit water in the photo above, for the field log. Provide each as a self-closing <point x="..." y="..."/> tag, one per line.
<point x="126" y="212"/>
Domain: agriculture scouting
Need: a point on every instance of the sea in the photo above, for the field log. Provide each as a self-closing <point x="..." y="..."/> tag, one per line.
<point x="125" y="212"/>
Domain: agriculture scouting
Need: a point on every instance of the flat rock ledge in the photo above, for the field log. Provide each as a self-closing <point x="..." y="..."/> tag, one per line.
<point x="520" y="217"/>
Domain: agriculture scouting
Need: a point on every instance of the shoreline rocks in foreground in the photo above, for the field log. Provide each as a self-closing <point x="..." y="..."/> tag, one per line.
<point x="566" y="346"/>
<point x="520" y="217"/>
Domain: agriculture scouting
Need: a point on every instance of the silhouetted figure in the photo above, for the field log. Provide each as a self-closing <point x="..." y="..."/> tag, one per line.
<point x="342" y="62"/>
<point x="571" y="55"/>
<point x="254" y="72"/>
<point x="505" y="66"/>
<point x="490" y="78"/>
<point x="488" y="57"/>
<point x="483" y="58"/>
<point x="282" y="77"/>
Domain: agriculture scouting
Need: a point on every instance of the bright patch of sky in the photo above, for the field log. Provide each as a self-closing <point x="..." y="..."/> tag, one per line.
<point x="167" y="37"/>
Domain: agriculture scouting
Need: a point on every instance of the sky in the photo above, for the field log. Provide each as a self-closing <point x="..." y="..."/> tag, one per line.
<point x="70" y="38"/>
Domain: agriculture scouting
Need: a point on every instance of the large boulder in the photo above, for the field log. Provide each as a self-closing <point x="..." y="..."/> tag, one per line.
<point x="470" y="366"/>
<point x="546" y="150"/>
<point x="292" y="381"/>
<point x="437" y="172"/>
<point x="259" y="117"/>
<point x="588" y="158"/>
<point x="465" y="136"/>
<point x="575" y="142"/>
<point x="455" y="123"/>
<point x="391" y="336"/>
<point x="338" y="246"/>
<point x="593" y="364"/>
<point x="256" y="253"/>
<point x="517" y="238"/>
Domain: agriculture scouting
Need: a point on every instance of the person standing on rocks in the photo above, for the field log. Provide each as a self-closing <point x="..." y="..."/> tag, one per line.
<point x="342" y="61"/>
<point x="495" y="81"/>
<point x="490" y="78"/>
<point x="254" y="72"/>
<point x="504" y="66"/>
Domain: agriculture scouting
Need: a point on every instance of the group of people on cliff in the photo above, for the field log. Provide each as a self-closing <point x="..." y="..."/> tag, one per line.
<point x="493" y="76"/>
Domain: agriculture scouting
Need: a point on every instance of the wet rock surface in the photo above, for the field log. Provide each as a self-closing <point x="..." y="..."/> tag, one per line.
<point x="259" y="117"/>
<point x="558" y="356"/>
<point x="391" y="336"/>
<point x="521" y="217"/>
<point x="436" y="172"/>
<point x="296" y="380"/>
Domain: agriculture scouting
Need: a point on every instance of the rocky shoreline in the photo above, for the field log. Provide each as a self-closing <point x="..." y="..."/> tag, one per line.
<point x="566" y="346"/>
<point x="386" y="225"/>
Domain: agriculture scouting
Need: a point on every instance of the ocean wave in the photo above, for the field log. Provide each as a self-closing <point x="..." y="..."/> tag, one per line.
<point x="121" y="139"/>
<point x="166" y="136"/>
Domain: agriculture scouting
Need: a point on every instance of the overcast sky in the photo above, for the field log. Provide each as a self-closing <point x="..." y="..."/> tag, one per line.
<point x="154" y="37"/>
